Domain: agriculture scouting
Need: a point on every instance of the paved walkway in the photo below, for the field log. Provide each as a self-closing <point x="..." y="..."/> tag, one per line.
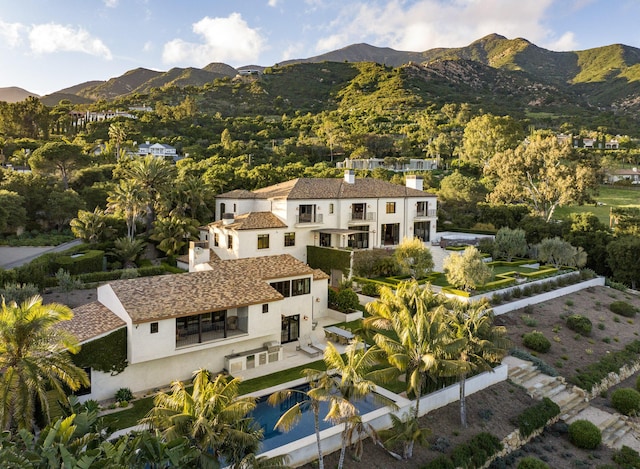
<point x="15" y="256"/>
<point x="574" y="405"/>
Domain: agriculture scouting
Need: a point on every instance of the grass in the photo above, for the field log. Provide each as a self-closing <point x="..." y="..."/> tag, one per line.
<point x="610" y="196"/>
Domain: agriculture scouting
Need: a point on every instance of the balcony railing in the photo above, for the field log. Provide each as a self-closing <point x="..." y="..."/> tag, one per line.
<point x="309" y="218"/>
<point x="426" y="213"/>
<point x="363" y="216"/>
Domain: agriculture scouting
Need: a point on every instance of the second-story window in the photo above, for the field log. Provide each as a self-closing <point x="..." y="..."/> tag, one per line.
<point x="290" y="239"/>
<point x="263" y="241"/>
<point x="330" y="209"/>
<point x="391" y="207"/>
<point x="216" y="240"/>
<point x="229" y="242"/>
<point x="422" y="208"/>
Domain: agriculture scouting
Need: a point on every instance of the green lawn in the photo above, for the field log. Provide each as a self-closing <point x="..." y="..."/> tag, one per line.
<point x="610" y="196"/>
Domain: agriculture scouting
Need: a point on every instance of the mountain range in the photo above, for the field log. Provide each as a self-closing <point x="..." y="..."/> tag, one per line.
<point x="606" y="78"/>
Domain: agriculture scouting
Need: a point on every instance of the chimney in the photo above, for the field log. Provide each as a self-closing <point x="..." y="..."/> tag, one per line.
<point x="414" y="182"/>
<point x="198" y="254"/>
<point x="349" y="176"/>
<point x="227" y="218"/>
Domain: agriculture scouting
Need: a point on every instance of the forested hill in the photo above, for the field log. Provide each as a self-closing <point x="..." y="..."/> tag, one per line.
<point x="494" y="73"/>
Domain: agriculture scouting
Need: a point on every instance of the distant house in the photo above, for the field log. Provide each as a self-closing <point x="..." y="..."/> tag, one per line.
<point x="631" y="175"/>
<point x="230" y="315"/>
<point x="158" y="149"/>
<point x="396" y="164"/>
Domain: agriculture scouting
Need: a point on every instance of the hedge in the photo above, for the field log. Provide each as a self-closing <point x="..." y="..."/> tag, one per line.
<point x="107" y="354"/>
<point x="117" y="274"/>
<point x="328" y="258"/>
<point x="89" y="261"/>
<point x="537" y="416"/>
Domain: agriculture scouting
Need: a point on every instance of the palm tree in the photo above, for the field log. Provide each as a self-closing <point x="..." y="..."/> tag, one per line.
<point x="127" y="250"/>
<point x="212" y="416"/>
<point x="154" y="176"/>
<point x="405" y="431"/>
<point x="192" y="195"/>
<point x="320" y="387"/>
<point x="91" y="227"/>
<point x="34" y="359"/>
<point x="421" y="341"/>
<point x="350" y="371"/>
<point x="118" y="134"/>
<point x="174" y="233"/>
<point x="481" y="344"/>
<point x="128" y="199"/>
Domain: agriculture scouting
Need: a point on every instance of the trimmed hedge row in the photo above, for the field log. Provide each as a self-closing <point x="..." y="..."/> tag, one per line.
<point x="611" y="362"/>
<point x="80" y="263"/>
<point x="537" y="416"/>
<point x="94" y="277"/>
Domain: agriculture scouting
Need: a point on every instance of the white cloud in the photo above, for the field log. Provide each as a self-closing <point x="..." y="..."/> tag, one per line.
<point x="425" y="24"/>
<point x="567" y="42"/>
<point x="292" y="52"/>
<point x="148" y="46"/>
<point x="273" y="3"/>
<point x="50" y="38"/>
<point x="11" y="33"/>
<point x="111" y="3"/>
<point x="224" y="39"/>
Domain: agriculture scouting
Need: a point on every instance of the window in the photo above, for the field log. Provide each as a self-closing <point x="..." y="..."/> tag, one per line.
<point x="391" y="207"/>
<point x="223" y="207"/>
<point x="422" y="209"/>
<point x="284" y="288"/>
<point x="306" y="214"/>
<point x="330" y="209"/>
<point x="229" y="242"/>
<point x="301" y="286"/>
<point x="263" y="241"/>
<point x="216" y="240"/>
<point x="265" y="308"/>
<point x="290" y="239"/>
<point x="154" y="327"/>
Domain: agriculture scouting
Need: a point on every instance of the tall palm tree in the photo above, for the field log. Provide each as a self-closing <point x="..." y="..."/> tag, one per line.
<point x="320" y="390"/>
<point x="350" y="371"/>
<point x="118" y="134"/>
<point x="155" y="177"/>
<point x="130" y="200"/>
<point x="193" y="196"/>
<point x="91" y="227"/>
<point x="34" y="359"/>
<point x="481" y="344"/>
<point x="420" y="343"/>
<point x="212" y="416"/>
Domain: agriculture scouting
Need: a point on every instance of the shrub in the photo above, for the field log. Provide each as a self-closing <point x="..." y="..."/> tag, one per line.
<point x="626" y="401"/>
<point x="124" y="394"/>
<point x="627" y="457"/>
<point x="623" y="309"/>
<point x="580" y="324"/>
<point x="441" y="462"/>
<point x="537" y="416"/>
<point x="638" y="383"/>
<point x="532" y="463"/>
<point x="476" y="451"/>
<point x="596" y="372"/>
<point x="347" y="300"/>
<point x="584" y="434"/>
<point x="536" y="341"/>
<point x="370" y="289"/>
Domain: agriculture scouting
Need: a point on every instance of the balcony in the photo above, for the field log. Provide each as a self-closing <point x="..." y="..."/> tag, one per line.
<point x="309" y="219"/>
<point x="362" y="216"/>
<point x="426" y="213"/>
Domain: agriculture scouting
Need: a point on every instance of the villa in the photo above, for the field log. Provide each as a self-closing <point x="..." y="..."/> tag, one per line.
<point x="230" y="315"/>
<point x="349" y="212"/>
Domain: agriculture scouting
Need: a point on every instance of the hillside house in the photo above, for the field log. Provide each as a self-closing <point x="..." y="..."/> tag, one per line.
<point x="631" y="175"/>
<point x="396" y="164"/>
<point x="349" y="212"/>
<point x="157" y="149"/>
<point x="230" y="315"/>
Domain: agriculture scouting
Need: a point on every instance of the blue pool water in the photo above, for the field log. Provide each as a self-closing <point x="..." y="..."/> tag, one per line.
<point x="267" y="416"/>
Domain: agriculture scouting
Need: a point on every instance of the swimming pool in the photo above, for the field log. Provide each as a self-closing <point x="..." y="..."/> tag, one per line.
<point x="267" y="416"/>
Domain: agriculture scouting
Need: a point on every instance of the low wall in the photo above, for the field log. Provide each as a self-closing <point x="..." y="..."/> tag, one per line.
<point x="546" y="296"/>
<point x="305" y="450"/>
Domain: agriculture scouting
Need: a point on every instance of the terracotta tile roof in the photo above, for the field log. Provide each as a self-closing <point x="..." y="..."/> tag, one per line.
<point x="329" y="188"/>
<point x="252" y="221"/>
<point x="319" y="274"/>
<point x="231" y="284"/>
<point x="92" y="320"/>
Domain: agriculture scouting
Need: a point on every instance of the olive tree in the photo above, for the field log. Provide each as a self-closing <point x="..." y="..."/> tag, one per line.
<point x="510" y="243"/>
<point x="467" y="270"/>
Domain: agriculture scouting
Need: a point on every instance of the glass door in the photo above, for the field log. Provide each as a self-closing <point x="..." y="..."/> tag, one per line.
<point x="290" y="328"/>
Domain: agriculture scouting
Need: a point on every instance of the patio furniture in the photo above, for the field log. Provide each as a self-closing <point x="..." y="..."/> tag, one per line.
<point x="304" y="344"/>
<point x="342" y="336"/>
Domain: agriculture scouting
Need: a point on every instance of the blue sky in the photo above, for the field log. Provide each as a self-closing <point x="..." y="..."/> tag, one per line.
<point x="46" y="46"/>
